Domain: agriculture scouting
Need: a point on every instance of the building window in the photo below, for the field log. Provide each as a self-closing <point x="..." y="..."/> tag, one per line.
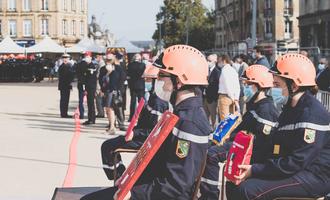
<point x="27" y="28"/>
<point x="268" y="4"/>
<point x="26" y="5"/>
<point x="12" y="28"/>
<point x="82" y="28"/>
<point x="288" y="26"/>
<point x="287" y="3"/>
<point x="82" y="5"/>
<point x="44" y="5"/>
<point x="268" y="26"/>
<point x="288" y="9"/>
<point x="44" y="27"/>
<point x="73" y="27"/>
<point x="64" y="5"/>
<point x="73" y="5"/>
<point x="11" y="5"/>
<point x="288" y="29"/>
<point x="64" y="27"/>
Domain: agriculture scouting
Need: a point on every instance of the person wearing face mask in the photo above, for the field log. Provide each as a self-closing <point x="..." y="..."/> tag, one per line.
<point x="323" y="78"/>
<point x="299" y="165"/>
<point x="172" y="172"/>
<point x="322" y="65"/>
<point x="211" y="91"/>
<point x="148" y="118"/>
<point x="108" y="80"/>
<point x="91" y="79"/>
<point x="260" y="119"/>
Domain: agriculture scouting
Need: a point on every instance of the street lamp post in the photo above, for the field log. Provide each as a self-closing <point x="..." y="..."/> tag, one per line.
<point x="160" y="46"/>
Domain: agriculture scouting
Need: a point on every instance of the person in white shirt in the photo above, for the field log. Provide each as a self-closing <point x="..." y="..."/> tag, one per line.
<point x="229" y="89"/>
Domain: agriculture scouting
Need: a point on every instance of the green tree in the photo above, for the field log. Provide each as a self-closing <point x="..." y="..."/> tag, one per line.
<point x="185" y="20"/>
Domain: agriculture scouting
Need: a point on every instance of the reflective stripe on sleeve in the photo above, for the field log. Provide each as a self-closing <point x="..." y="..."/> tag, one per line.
<point x="261" y="120"/>
<point x="190" y="137"/>
<point x="309" y="125"/>
<point x="155" y="112"/>
<point x="112" y="167"/>
<point x="210" y="182"/>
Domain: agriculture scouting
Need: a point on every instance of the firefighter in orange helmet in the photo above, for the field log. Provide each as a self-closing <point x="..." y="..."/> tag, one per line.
<point x="299" y="165"/>
<point x="176" y="166"/>
<point x="260" y="119"/>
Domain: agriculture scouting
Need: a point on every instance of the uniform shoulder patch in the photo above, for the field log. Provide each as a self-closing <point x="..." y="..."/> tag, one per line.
<point x="267" y="129"/>
<point x="182" y="148"/>
<point x="309" y="136"/>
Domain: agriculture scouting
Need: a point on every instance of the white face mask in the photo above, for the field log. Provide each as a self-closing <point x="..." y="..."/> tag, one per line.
<point x="160" y="92"/>
<point x="321" y="66"/>
<point x="109" y="67"/>
<point x="88" y="60"/>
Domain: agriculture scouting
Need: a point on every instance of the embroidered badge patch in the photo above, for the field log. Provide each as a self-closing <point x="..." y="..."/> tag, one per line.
<point x="182" y="148"/>
<point x="267" y="129"/>
<point x="276" y="150"/>
<point x="309" y="136"/>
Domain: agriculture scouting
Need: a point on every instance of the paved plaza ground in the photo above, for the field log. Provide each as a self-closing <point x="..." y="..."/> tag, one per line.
<point x="34" y="143"/>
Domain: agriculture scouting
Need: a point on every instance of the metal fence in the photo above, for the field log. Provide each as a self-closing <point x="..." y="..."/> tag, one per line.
<point x="324" y="98"/>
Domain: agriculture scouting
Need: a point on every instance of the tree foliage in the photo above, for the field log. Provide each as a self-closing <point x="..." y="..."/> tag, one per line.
<point x="178" y="17"/>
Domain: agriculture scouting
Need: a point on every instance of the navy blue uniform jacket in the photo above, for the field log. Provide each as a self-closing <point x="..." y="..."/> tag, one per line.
<point x="168" y="176"/>
<point x="301" y="146"/>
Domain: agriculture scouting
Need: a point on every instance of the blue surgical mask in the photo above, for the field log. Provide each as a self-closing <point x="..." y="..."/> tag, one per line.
<point x="248" y="92"/>
<point x="148" y="86"/>
<point x="278" y="97"/>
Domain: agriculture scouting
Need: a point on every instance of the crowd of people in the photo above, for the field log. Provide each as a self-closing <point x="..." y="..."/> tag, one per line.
<point x="103" y="80"/>
<point x="291" y="148"/>
<point x="277" y="105"/>
<point x="21" y="68"/>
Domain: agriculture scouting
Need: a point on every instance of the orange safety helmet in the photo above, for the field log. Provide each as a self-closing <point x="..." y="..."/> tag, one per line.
<point x="296" y="67"/>
<point x="260" y="75"/>
<point x="150" y="72"/>
<point x="185" y="62"/>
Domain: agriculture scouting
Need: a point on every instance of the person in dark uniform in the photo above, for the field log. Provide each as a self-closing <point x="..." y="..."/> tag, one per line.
<point x="172" y="172"/>
<point x="211" y="91"/>
<point x="135" y="82"/>
<point x="299" y="166"/>
<point x="148" y="119"/>
<point x="65" y="78"/>
<point x="119" y="111"/>
<point x="90" y="78"/>
<point x="260" y="119"/>
<point x="81" y="71"/>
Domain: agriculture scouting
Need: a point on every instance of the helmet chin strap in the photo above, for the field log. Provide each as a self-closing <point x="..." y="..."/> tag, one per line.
<point x="291" y="92"/>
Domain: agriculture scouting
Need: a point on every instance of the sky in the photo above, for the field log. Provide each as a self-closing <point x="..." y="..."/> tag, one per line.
<point x="130" y="19"/>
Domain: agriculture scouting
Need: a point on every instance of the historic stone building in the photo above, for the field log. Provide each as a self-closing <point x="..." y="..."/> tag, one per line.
<point x="314" y="23"/>
<point x="28" y="21"/>
<point x="277" y="24"/>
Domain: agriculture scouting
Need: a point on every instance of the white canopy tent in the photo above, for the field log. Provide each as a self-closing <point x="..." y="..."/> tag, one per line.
<point x="9" y="46"/>
<point x="47" y="45"/>
<point x="130" y="48"/>
<point x="86" y="44"/>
